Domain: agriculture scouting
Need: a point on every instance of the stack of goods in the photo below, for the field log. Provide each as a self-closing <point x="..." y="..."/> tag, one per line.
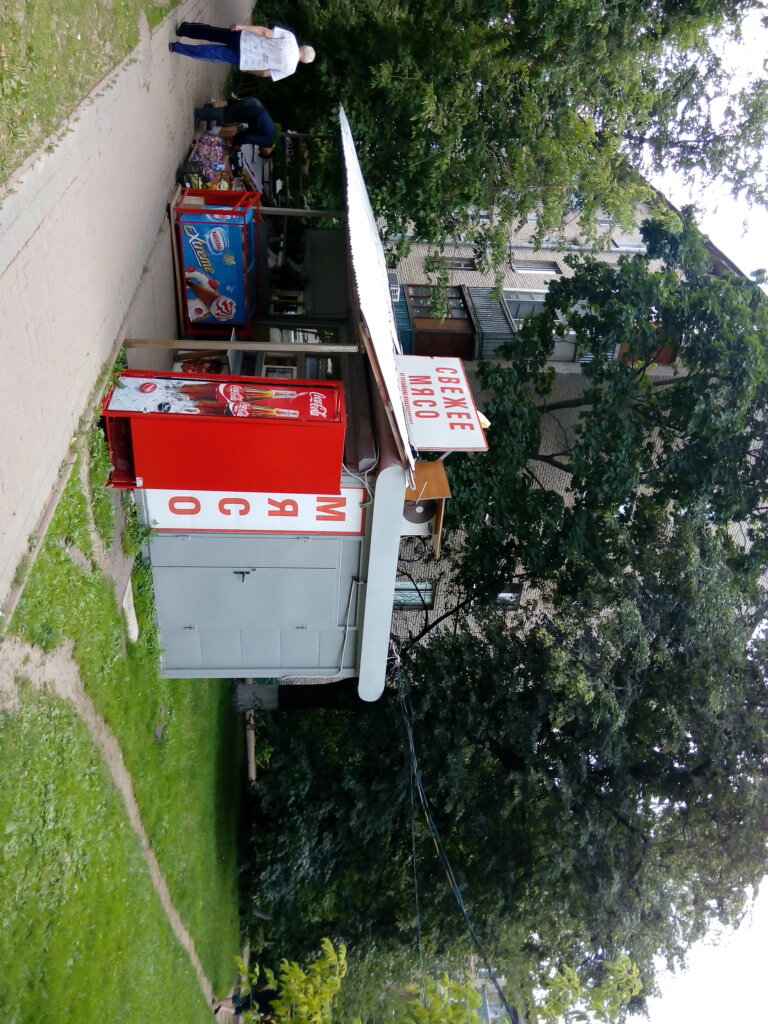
<point x="207" y="165"/>
<point x="201" y="362"/>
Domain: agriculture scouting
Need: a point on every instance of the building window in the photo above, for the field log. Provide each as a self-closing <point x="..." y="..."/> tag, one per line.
<point x="414" y="594"/>
<point x="460" y="263"/>
<point x="420" y="302"/>
<point x="510" y="596"/>
<point x="522" y="304"/>
<point x="536" y="267"/>
<point x="627" y="244"/>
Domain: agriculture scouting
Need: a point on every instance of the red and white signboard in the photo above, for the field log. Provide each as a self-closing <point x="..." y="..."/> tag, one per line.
<point x="255" y="512"/>
<point x="439" y="407"/>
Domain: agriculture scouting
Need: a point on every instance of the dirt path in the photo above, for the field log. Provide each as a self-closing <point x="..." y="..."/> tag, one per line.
<point x="58" y="673"/>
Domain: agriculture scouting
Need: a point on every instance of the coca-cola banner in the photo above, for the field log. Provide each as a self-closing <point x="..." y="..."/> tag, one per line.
<point x="255" y="398"/>
<point x="251" y="512"/>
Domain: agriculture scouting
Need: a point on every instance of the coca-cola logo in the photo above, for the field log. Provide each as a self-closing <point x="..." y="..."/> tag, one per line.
<point x="232" y="392"/>
<point x="317" y="405"/>
<point x="148" y="387"/>
<point x="239" y="408"/>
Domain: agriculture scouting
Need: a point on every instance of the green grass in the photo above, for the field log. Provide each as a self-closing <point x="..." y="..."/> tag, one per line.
<point x="98" y="473"/>
<point x="72" y="516"/>
<point x="51" y="55"/>
<point x="82" y="934"/>
<point x="179" y="738"/>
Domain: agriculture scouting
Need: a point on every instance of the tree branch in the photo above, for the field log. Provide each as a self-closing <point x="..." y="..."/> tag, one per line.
<point x="569" y="403"/>
<point x="430" y="626"/>
<point x="549" y="461"/>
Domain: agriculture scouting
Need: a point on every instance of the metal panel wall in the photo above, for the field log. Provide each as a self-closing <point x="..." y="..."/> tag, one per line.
<point x="325" y="259"/>
<point x="242" y="550"/>
<point x="256" y="605"/>
<point x="491" y="316"/>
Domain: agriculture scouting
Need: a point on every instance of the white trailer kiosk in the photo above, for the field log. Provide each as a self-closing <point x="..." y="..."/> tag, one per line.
<point x="291" y="584"/>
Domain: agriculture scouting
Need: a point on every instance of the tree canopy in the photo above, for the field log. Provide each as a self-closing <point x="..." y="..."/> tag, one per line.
<point x="598" y="775"/>
<point x="640" y="443"/>
<point x="520" y="106"/>
<point x="597" y="763"/>
<point x="622" y="744"/>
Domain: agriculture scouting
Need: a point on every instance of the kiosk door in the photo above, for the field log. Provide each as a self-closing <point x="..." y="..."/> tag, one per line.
<point x="256" y="606"/>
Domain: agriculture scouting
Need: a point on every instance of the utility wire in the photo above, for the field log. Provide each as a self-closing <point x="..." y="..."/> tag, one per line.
<point x="434" y="832"/>
<point x="416" y="885"/>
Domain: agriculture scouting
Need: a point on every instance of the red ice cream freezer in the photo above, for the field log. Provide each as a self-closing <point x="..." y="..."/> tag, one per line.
<point x="213" y="432"/>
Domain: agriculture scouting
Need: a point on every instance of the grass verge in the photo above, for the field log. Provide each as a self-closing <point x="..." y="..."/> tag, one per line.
<point x="83" y="934"/>
<point x="98" y="471"/>
<point x="52" y="54"/>
<point x="179" y="739"/>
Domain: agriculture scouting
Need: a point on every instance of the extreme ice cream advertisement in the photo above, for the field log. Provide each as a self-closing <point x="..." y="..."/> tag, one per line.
<point x="253" y="399"/>
<point x="213" y="268"/>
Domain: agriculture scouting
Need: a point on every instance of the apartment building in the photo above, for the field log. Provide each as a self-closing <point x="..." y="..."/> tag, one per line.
<point x="481" y="317"/>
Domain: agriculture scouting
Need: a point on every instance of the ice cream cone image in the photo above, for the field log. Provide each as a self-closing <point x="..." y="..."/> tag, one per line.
<point x="197" y="310"/>
<point x="205" y="288"/>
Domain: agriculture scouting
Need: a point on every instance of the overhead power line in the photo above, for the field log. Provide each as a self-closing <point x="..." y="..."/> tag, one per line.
<point x="417" y="783"/>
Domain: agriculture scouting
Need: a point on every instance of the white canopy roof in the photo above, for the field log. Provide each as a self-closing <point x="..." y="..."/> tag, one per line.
<point x="370" y="272"/>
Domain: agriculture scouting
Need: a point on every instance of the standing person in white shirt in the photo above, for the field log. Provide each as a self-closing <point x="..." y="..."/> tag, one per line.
<point x="267" y="52"/>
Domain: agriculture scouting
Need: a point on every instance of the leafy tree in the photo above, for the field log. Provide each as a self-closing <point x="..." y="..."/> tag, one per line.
<point x="460" y="106"/>
<point x="439" y="1001"/>
<point x="612" y="755"/>
<point x="597" y="767"/>
<point x="642" y="444"/>
<point x="566" y="999"/>
<point x="303" y="997"/>
<point x="310" y="996"/>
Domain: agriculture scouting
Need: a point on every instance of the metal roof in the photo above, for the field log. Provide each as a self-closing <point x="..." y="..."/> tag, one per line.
<point x="369" y="268"/>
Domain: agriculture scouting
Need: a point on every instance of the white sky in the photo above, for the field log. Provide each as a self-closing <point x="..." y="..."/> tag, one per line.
<point x="740" y="232"/>
<point x="727" y="978"/>
<point x="724" y="983"/>
<point x="736" y="229"/>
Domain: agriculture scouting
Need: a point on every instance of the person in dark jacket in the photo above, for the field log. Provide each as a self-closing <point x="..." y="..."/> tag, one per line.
<point x="259" y="130"/>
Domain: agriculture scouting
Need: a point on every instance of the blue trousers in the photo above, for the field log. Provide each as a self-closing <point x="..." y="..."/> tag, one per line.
<point x="225" y="51"/>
